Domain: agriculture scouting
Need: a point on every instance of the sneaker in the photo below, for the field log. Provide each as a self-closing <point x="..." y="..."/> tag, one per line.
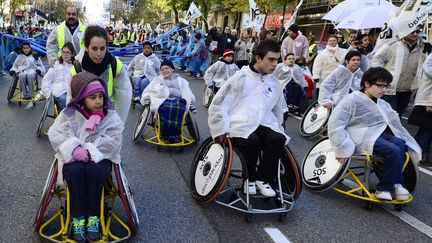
<point x="265" y="189"/>
<point x="384" y="195"/>
<point x="78" y="225"/>
<point x="252" y="188"/>
<point x="93" y="229"/>
<point x="401" y="193"/>
<point x="426" y="163"/>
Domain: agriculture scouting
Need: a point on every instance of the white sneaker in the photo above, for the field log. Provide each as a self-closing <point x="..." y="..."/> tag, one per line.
<point x="384" y="195"/>
<point x="252" y="188"/>
<point x="265" y="189"/>
<point x="401" y="193"/>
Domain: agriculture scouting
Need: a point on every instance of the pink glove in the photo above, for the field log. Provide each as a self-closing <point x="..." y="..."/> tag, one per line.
<point x="80" y="154"/>
<point x="93" y="121"/>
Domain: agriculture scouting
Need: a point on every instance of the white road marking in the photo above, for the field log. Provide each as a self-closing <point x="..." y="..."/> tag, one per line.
<point x="277" y="235"/>
<point x="407" y="218"/>
<point x="405" y="118"/>
<point x="425" y="171"/>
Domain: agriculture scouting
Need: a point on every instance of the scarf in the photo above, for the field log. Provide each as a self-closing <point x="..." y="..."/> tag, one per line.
<point x="332" y="49"/>
<point x="96" y="68"/>
<point x="295" y="36"/>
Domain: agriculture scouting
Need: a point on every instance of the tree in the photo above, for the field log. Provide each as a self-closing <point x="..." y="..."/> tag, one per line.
<point x="149" y="11"/>
<point x="236" y="7"/>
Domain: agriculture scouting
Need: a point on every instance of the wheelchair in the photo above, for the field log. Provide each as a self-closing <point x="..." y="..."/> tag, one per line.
<point x="321" y="171"/>
<point x="116" y="186"/>
<point x="151" y="134"/>
<point x="314" y="121"/>
<point x="209" y="93"/>
<point x="15" y="94"/>
<point x="218" y="173"/>
<point x="49" y="104"/>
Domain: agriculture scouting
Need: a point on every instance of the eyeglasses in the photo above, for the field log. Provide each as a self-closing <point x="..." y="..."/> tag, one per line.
<point x="382" y="86"/>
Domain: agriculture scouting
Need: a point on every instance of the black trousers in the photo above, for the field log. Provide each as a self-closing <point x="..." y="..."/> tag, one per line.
<point x="85" y="182"/>
<point x="399" y="102"/>
<point x="270" y="143"/>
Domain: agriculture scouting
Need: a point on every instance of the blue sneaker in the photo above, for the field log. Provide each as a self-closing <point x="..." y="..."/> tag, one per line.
<point x="93" y="228"/>
<point x="78" y="225"/>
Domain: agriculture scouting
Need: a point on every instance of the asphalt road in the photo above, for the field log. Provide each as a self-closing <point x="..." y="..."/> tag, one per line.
<point x="167" y="213"/>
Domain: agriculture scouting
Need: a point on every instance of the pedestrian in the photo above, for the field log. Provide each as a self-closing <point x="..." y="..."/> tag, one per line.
<point x="295" y="42"/>
<point x="224" y="40"/>
<point x="342" y="43"/>
<point x="199" y="57"/>
<point x="243" y="48"/>
<point x="87" y="139"/>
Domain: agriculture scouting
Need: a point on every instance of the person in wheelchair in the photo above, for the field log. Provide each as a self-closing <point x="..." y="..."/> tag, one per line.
<point x="27" y="66"/>
<point x="56" y="80"/>
<point x="362" y="122"/>
<point x="170" y="96"/>
<point x="341" y="81"/>
<point x="143" y="68"/>
<point x="220" y="71"/>
<point x="250" y="108"/>
<point x="87" y="138"/>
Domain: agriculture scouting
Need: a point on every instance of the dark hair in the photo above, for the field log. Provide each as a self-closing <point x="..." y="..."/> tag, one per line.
<point x="353" y="32"/>
<point x="69" y="46"/>
<point x="288" y="54"/>
<point x="300" y="59"/>
<point x="332" y="36"/>
<point x="374" y="74"/>
<point x="263" y="34"/>
<point x="25" y="43"/>
<point x="92" y="31"/>
<point x="265" y="46"/>
<point x="352" y="54"/>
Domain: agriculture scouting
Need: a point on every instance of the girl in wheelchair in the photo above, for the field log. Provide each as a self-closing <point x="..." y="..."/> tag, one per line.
<point x="170" y="96"/>
<point x="56" y="79"/>
<point x="87" y="138"/>
<point x="362" y="122"/>
<point x="27" y="67"/>
<point x="220" y="71"/>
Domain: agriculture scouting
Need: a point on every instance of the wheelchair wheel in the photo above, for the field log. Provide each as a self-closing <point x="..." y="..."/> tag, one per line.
<point x="314" y="120"/>
<point x="208" y="96"/>
<point x="192" y="127"/>
<point x="126" y="198"/>
<point x="290" y="174"/>
<point x="47" y="194"/>
<point x="411" y="176"/>
<point x="320" y="169"/>
<point x="12" y="88"/>
<point x="210" y="170"/>
<point x="141" y="124"/>
<point x="44" y="116"/>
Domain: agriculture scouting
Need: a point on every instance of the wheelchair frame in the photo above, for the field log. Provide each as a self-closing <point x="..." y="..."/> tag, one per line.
<point x="45" y="114"/>
<point x="107" y="216"/>
<point x="152" y="136"/>
<point x="208" y="95"/>
<point x="16" y="85"/>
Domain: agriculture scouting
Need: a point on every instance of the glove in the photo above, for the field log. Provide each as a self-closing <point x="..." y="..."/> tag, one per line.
<point x="38" y="71"/>
<point x="145" y="102"/>
<point x="427" y="48"/>
<point x="12" y="72"/>
<point x="221" y="139"/>
<point x="316" y="80"/>
<point x="80" y="154"/>
<point x="193" y="108"/>
<point x="93" y="121"/>
<point x="285" y="116"/>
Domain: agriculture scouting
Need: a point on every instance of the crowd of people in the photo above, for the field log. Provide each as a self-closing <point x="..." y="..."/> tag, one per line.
<point x="257" y="82"/>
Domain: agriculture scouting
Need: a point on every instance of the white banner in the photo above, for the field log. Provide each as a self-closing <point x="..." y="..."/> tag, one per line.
<point x="257" y="17"/>
<point x="293" y="16"/>
<point x="192" y="13"/>
<point x="414" y="12"/>
<point x="246" y="21"/>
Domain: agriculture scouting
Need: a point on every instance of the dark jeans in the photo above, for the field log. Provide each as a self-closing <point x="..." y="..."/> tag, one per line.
<point x="424" y="139"/>
<point x="85" y="182"/>
<point x="399" y="102"/>
<point x="270" y="143"/>
<point x="392" y="150"/>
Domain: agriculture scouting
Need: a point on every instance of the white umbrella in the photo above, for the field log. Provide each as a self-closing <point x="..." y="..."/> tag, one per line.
<point x="366" y="18"/>
<point x="345" y="8"/>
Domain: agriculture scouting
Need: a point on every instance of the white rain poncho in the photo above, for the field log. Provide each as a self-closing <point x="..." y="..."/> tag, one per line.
<point x="142" y="65"/>
<point x="24" y="64"/>
<point x="157" y="91"/>
<point x="285" y="74"/>
<point x="247" y="100"/>
<point x="219" y="72"/>
<point x="339" y="83"/>
<point x="357" y="122"/>
<point x="327" y="61"/>
<point x="56" y="80"/>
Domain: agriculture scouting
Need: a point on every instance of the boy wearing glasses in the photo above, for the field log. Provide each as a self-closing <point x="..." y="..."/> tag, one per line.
<point x="362" y="122"/>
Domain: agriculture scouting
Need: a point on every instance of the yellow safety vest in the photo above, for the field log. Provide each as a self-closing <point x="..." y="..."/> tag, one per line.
<point x="111" y="77"/>
<point x="131" y="36"/>
<point x="312" y="50"/>
<point x="123" y="39"/>
<point x="61" y="36"/>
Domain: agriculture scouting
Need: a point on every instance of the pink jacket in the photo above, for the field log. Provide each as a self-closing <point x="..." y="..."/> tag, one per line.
<point x="299" y="46"/>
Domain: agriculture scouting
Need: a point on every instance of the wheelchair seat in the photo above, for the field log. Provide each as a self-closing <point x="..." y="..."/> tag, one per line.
<point x="15" y="94"/>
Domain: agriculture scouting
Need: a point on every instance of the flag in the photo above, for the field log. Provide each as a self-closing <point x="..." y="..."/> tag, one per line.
<point x="413" y="13"/>
<point x="256" y="16"/>
<point x="293" y="18"/>
<point x="246" y="21"/>
<point x="192" y="13"/>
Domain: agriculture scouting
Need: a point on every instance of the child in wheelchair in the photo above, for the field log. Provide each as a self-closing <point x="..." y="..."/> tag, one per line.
<point x="87" y="138"/>
<point x="169" y="95"/>
<point x="294" y="84"/>
<point x="362" y="122"/>
<point x="56" y="80"/>
<point x="250" y="108"/>
<point x="27" y="66"/>
<point x="341" y="81"/>
<point x="220" y="71"/>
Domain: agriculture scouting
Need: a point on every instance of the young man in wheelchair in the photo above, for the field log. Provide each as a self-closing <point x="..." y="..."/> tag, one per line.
<point x="362" y="122"/>
<point x="249" y="108"/>
<point x="216" y="75"/>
